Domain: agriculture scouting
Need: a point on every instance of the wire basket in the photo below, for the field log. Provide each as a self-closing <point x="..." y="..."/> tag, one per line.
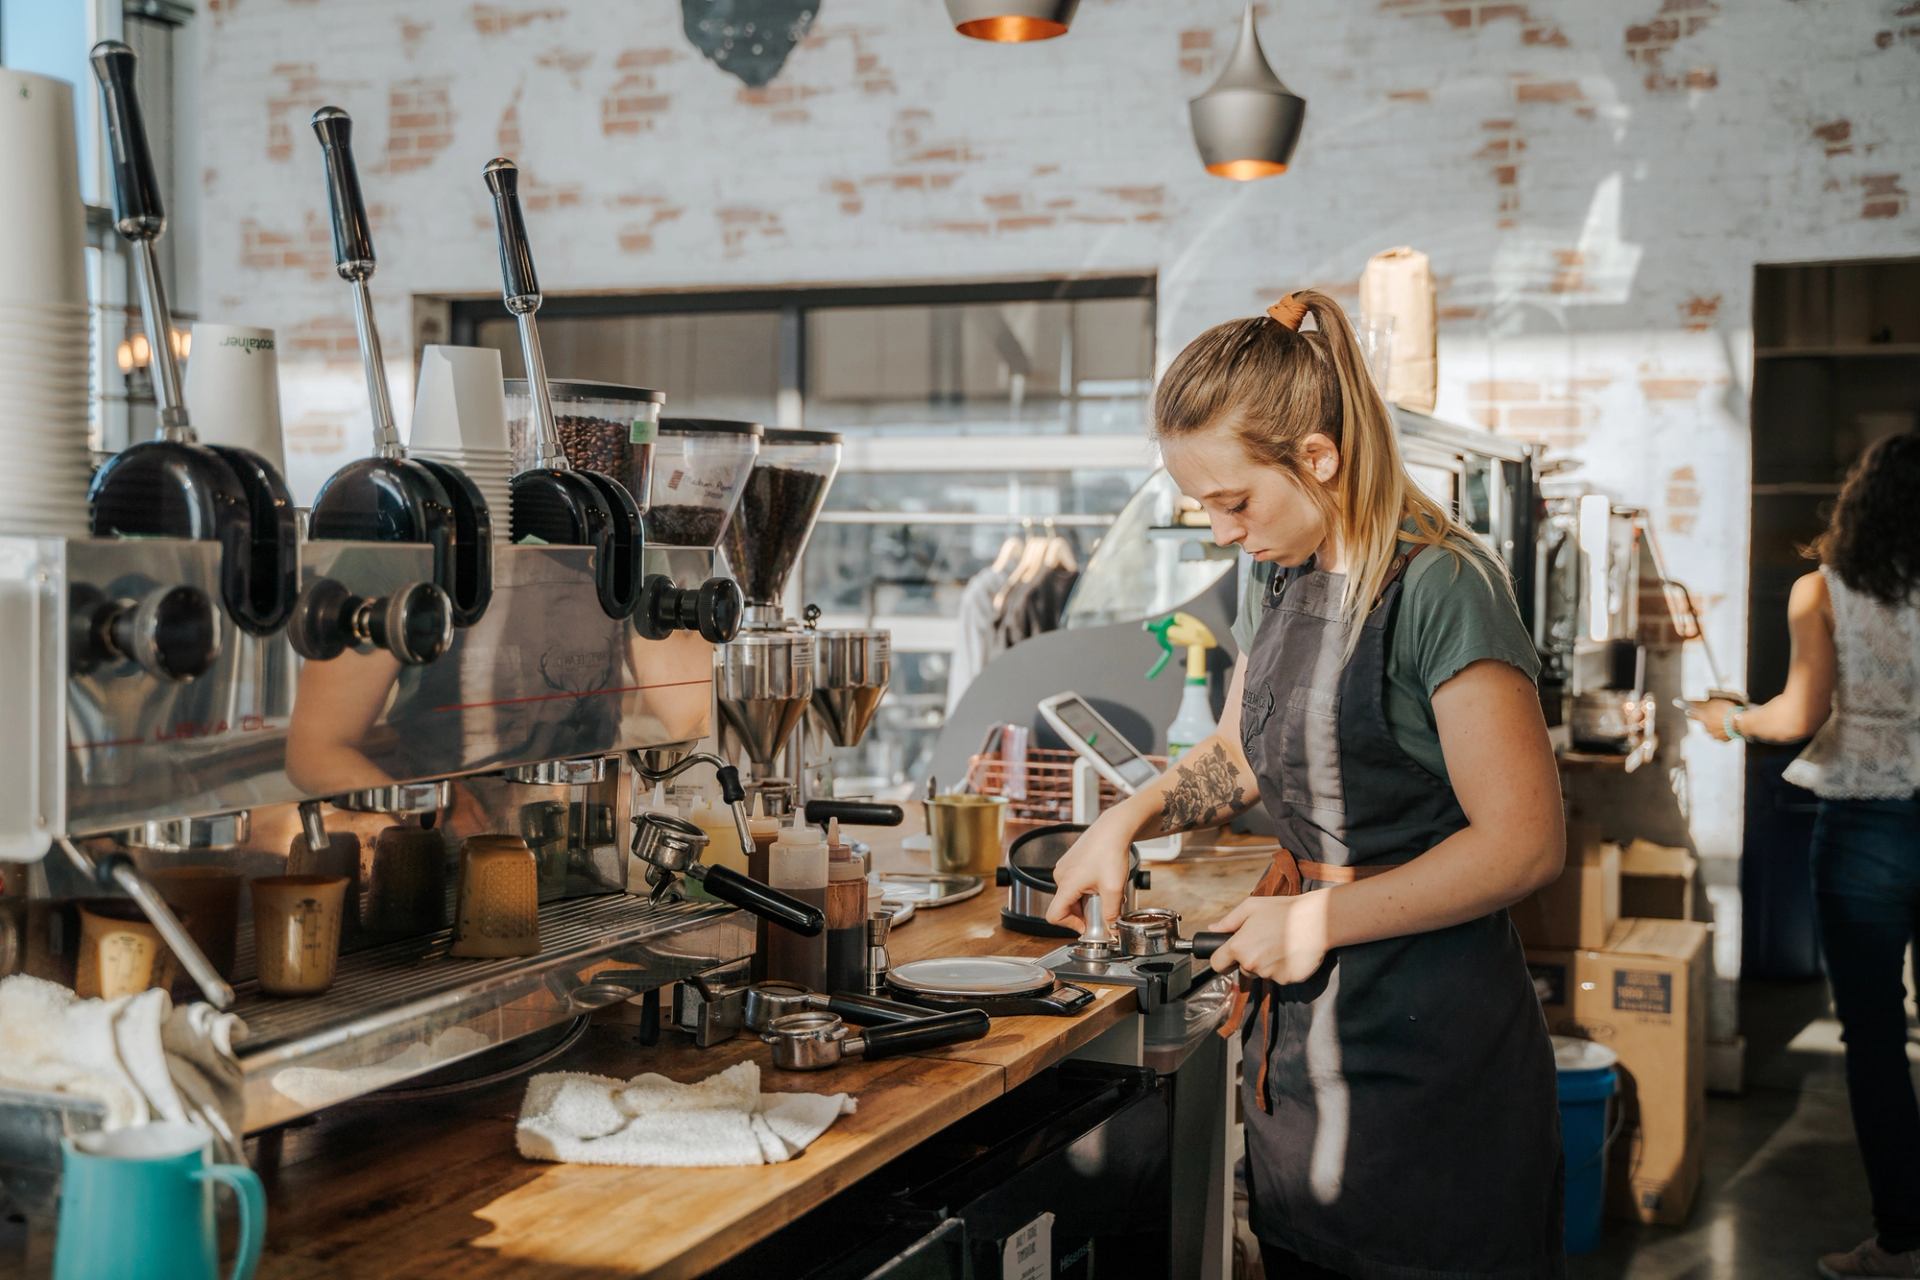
<point x="1039" y="790"/>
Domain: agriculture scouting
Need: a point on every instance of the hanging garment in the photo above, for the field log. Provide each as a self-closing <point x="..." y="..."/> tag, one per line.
<point x="975" y="623"/>
<point x="1401" y="1105"/>
<point x="1035" y="606"/>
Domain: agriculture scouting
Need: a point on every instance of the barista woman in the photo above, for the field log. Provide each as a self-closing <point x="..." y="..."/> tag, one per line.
<point x="1400" y="1098"/>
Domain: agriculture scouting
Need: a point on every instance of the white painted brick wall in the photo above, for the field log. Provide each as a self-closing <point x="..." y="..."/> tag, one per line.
<point x="1594" y="220"/>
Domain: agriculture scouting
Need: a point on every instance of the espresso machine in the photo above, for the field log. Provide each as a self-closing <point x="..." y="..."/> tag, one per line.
<point x="219" y="691"/>
<point x="777" y="670"/>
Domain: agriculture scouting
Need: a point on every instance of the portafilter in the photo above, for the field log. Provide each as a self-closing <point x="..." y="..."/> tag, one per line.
<point x="173" y="486"/>
<point x="390" y="497"/>
<point x="553" y="501"/>
<point x="816" y="1041"/>
<point x="767" y="1001"/>
<point x="674" y="845"/>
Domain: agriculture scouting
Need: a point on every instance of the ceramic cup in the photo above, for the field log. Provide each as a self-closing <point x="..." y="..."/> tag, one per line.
<point x="296" y="932"/>
<point x="207" y="899"/>
<point x="499" y="913"/>
<point x="139" y="1201"/>
<point x="407" y="892"/>
<point x="341" y="858"/>
<point x="121" y="954"/>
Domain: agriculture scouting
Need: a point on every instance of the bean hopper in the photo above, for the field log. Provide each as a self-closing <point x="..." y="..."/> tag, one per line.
<point x="775" y="671"/>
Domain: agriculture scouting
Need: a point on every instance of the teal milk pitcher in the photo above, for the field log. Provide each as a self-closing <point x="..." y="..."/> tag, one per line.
<point x="138" y="1203"/>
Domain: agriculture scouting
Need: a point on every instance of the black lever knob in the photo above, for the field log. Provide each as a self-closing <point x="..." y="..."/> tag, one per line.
<point x="172" y="632"/>
<point x="414" y="624"/>
<point x="712" y="608"/>
<point x="352" y="237"/>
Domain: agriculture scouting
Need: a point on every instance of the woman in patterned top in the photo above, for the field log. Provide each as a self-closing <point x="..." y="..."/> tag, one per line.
<point x="1854" y="684"/>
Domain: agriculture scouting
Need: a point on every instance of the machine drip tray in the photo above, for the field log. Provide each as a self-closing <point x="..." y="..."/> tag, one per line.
<point x="406" y="1008"/>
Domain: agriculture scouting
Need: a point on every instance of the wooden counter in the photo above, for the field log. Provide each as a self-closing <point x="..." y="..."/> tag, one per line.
<point x="436" y="1189"/>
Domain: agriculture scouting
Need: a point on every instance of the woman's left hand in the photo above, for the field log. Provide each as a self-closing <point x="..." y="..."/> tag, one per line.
<point x="1713" y="715"/>
<point x="1281" y="939"/>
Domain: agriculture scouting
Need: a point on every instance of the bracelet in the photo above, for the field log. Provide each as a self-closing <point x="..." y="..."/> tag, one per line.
<point x="1732" y="729"/>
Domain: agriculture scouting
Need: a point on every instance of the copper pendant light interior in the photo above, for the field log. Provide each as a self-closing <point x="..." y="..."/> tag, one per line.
<point x="1009" y="29"/>
<point x="1011" y="21"/>
<point x="1246" y="170"/>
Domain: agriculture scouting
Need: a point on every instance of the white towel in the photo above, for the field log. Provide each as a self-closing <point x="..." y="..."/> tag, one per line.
<point x="138" y="1056"/>
<point x="577" y="1118"/>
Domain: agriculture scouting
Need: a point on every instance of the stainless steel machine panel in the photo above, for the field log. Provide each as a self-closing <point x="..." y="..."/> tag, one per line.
<point x="544" y="674"/>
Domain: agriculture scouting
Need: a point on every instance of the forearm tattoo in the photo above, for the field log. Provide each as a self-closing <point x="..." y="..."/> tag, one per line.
<point x="1206" y="791"/>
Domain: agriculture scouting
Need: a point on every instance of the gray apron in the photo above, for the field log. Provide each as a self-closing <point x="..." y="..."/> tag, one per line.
<point x="1401" y="1107"/>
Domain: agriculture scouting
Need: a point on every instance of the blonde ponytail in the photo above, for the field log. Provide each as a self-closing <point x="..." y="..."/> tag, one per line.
<point x="1275" y="385"/>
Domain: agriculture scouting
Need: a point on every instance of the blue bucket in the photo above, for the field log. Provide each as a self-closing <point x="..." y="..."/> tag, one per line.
<point x="1588" y="1082"/>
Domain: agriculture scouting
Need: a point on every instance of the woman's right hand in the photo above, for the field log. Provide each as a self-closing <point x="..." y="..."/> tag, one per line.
<point x="1097" y="863"/>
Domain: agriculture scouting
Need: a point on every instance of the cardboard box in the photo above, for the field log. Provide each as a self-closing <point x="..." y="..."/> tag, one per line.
<point x="1656" y="881"/>
<point x="1645" y="998"/>
<point x="1580" y="909"/>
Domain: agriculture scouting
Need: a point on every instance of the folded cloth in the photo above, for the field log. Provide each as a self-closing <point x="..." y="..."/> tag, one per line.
<point x="577" y="1118"/>
<point x="138" y="1056"/>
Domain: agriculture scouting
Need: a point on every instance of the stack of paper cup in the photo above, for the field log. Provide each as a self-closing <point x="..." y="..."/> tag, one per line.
<point x="460" y="418"/>
<point x="233" y="389"/>
<point x="45" y="336"/>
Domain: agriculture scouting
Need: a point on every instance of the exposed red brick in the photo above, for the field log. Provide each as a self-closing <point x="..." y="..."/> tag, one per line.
<point x="419" y="122"/>
<point x="1547" y="91"/>
<point x="962" y="226"/>
<point x="1837" y="135"/>
<point x="413" y="35"/>
<point x="646" y="59"/>
<point x="1671" y="388"/>
<point x="1025" y="222"/>
<point x="1883" y="39"/>
<point x="1096" y="219"/>
<point x="1501" y="389"/>
<point x="1505" y="174"/>
<point x="496" y="20"/>
<point x="1409" y="95"/>
<point x="569" y="62"/>
<point x="1699" y="312"/>
<point x="1195" y="39"/>
<point x="1459" y="312"/>
<point x="1648" y="44"/>
<point x="1683" y="500"/>
<point x="1154" y="195"/>
<point x="1544" y="417"/>
<point x="1004" y="201"/>
<point x="1884" y="197"/>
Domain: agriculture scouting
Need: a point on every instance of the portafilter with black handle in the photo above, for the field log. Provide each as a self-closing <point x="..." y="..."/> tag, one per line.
<point x="674" y="845"/>
<point x="390" y="497"/>
<point x="816" y="1041"/>
<point x="173" y="486"/>
<point x="553" y="501"/>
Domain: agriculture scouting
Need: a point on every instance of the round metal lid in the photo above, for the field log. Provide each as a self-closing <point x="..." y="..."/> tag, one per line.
<point x="710" y="427"/>
<point x="580" y="389"/>
<point x="972" y="976"/>
<point x="793" y="435"/>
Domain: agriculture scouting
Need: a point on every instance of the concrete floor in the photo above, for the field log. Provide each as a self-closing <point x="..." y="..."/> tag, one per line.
<point x="1783" y="1182"/>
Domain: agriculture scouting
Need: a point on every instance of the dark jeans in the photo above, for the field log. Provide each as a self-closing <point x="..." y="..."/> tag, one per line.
<point x="1866" y="871"/>
<point x="1282" y="1265"/>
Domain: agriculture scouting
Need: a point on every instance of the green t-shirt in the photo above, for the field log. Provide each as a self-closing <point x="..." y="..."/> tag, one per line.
<point x="1449" y="617"/>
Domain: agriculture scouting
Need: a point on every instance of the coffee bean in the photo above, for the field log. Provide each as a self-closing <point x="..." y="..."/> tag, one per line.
<point x="779" y="501"/>
<point x="681" y="525"/>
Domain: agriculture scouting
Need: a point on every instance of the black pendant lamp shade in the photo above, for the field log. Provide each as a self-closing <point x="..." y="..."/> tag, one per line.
<point x="1011" y="21"/>
<point x="1246" y="125"/>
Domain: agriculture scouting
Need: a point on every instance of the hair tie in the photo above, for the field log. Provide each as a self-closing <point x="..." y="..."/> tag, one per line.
<point x="1288" y="312"/>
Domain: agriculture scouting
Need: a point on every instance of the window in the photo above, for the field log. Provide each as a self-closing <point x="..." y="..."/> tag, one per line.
<point x="967" y="410"/>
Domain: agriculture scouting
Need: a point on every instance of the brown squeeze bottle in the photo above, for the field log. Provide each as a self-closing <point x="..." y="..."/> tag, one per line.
<point x="846" y="915"/>
<point x="764" y="831"/>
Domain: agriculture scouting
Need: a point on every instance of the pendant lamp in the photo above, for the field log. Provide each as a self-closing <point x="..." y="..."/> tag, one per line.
<point x="1246" y="125"/>
<point x="1011" y="21"/>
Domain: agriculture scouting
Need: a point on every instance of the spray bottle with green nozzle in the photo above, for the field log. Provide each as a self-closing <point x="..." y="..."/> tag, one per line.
<point x="1195" y="720"/>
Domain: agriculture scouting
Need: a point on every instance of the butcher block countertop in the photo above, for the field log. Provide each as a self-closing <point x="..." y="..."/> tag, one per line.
<point x="436" y="1188"/>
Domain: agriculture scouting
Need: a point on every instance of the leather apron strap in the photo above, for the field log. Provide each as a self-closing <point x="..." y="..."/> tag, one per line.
<point x="1285" y="877"/>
